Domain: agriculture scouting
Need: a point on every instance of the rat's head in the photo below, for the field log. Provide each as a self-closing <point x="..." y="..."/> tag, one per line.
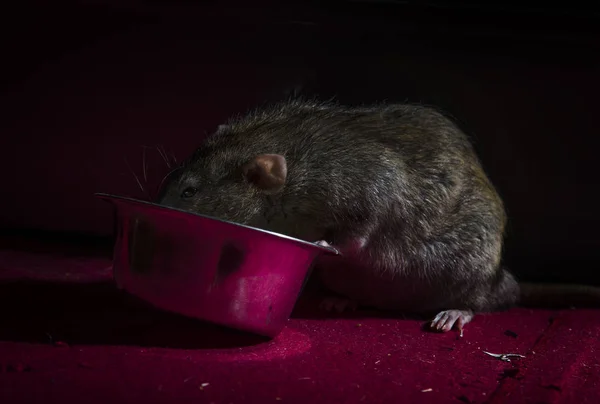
<point x="258" y="170"/>
<point x="227" y="184"/>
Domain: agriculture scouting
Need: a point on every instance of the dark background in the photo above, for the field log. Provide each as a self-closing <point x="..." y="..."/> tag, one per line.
<point x="87" y="84"/>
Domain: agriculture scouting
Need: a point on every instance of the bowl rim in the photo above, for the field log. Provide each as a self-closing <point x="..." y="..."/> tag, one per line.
<point x="111" y="197"/>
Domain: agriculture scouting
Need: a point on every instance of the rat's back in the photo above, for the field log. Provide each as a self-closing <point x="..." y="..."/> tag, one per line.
<point x="358" y="163"/>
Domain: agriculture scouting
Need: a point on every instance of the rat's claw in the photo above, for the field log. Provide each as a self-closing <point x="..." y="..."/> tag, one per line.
<point x="323" y="243"/>
<point x="447" y="319"/>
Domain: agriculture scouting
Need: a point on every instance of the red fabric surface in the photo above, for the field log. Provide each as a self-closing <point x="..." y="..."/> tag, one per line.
<point x="67" y="335"/>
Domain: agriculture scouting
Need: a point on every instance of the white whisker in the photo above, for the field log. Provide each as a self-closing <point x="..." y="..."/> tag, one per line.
<point x="136" y="177"/>
<point x="163" y="154"/>
<point x="144" y="164"/>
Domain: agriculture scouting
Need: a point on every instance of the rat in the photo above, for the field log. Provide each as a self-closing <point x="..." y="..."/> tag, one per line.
<point x="397" y="189"/>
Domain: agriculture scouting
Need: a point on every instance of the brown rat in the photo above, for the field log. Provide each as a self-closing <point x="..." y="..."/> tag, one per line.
<point x="398" y="189"/>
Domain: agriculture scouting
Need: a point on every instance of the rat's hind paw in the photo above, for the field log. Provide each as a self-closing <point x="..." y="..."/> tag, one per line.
<point x="339" y="304"/>
<point x="447" y="319"/>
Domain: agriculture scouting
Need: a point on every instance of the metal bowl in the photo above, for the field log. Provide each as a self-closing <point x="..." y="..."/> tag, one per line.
<point x="214" y="270"/>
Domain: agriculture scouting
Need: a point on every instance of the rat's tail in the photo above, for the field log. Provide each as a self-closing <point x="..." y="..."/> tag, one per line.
<point x="558" y="295"/>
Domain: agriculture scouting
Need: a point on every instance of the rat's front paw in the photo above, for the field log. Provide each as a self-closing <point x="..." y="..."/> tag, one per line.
<point x="340" y="304"/>
<point x="448" y="319"/>
<point x="325" y="244"/>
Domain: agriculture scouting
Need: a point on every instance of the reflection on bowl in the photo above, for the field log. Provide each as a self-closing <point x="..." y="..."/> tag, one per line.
<point x="210" y="269"/>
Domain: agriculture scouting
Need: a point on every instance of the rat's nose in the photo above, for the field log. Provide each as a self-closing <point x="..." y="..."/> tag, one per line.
<point x="167" y="198"/>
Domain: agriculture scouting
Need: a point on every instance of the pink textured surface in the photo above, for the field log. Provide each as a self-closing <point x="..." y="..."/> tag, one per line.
<point x="68" y="336"/>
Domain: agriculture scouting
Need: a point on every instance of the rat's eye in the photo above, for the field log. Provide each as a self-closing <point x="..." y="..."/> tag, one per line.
<point x="189" y="192"/>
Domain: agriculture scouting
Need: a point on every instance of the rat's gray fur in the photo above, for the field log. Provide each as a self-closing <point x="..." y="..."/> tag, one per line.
<point x="401" y="179"/>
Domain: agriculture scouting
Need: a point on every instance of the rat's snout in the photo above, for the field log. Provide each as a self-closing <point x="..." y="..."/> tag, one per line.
<point x="169" y="197"/>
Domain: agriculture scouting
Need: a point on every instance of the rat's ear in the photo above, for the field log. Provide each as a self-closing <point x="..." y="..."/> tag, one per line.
<point x="267" y="172"/>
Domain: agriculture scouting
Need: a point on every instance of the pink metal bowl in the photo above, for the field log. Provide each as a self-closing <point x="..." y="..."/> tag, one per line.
<point x="218" y="271"/>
